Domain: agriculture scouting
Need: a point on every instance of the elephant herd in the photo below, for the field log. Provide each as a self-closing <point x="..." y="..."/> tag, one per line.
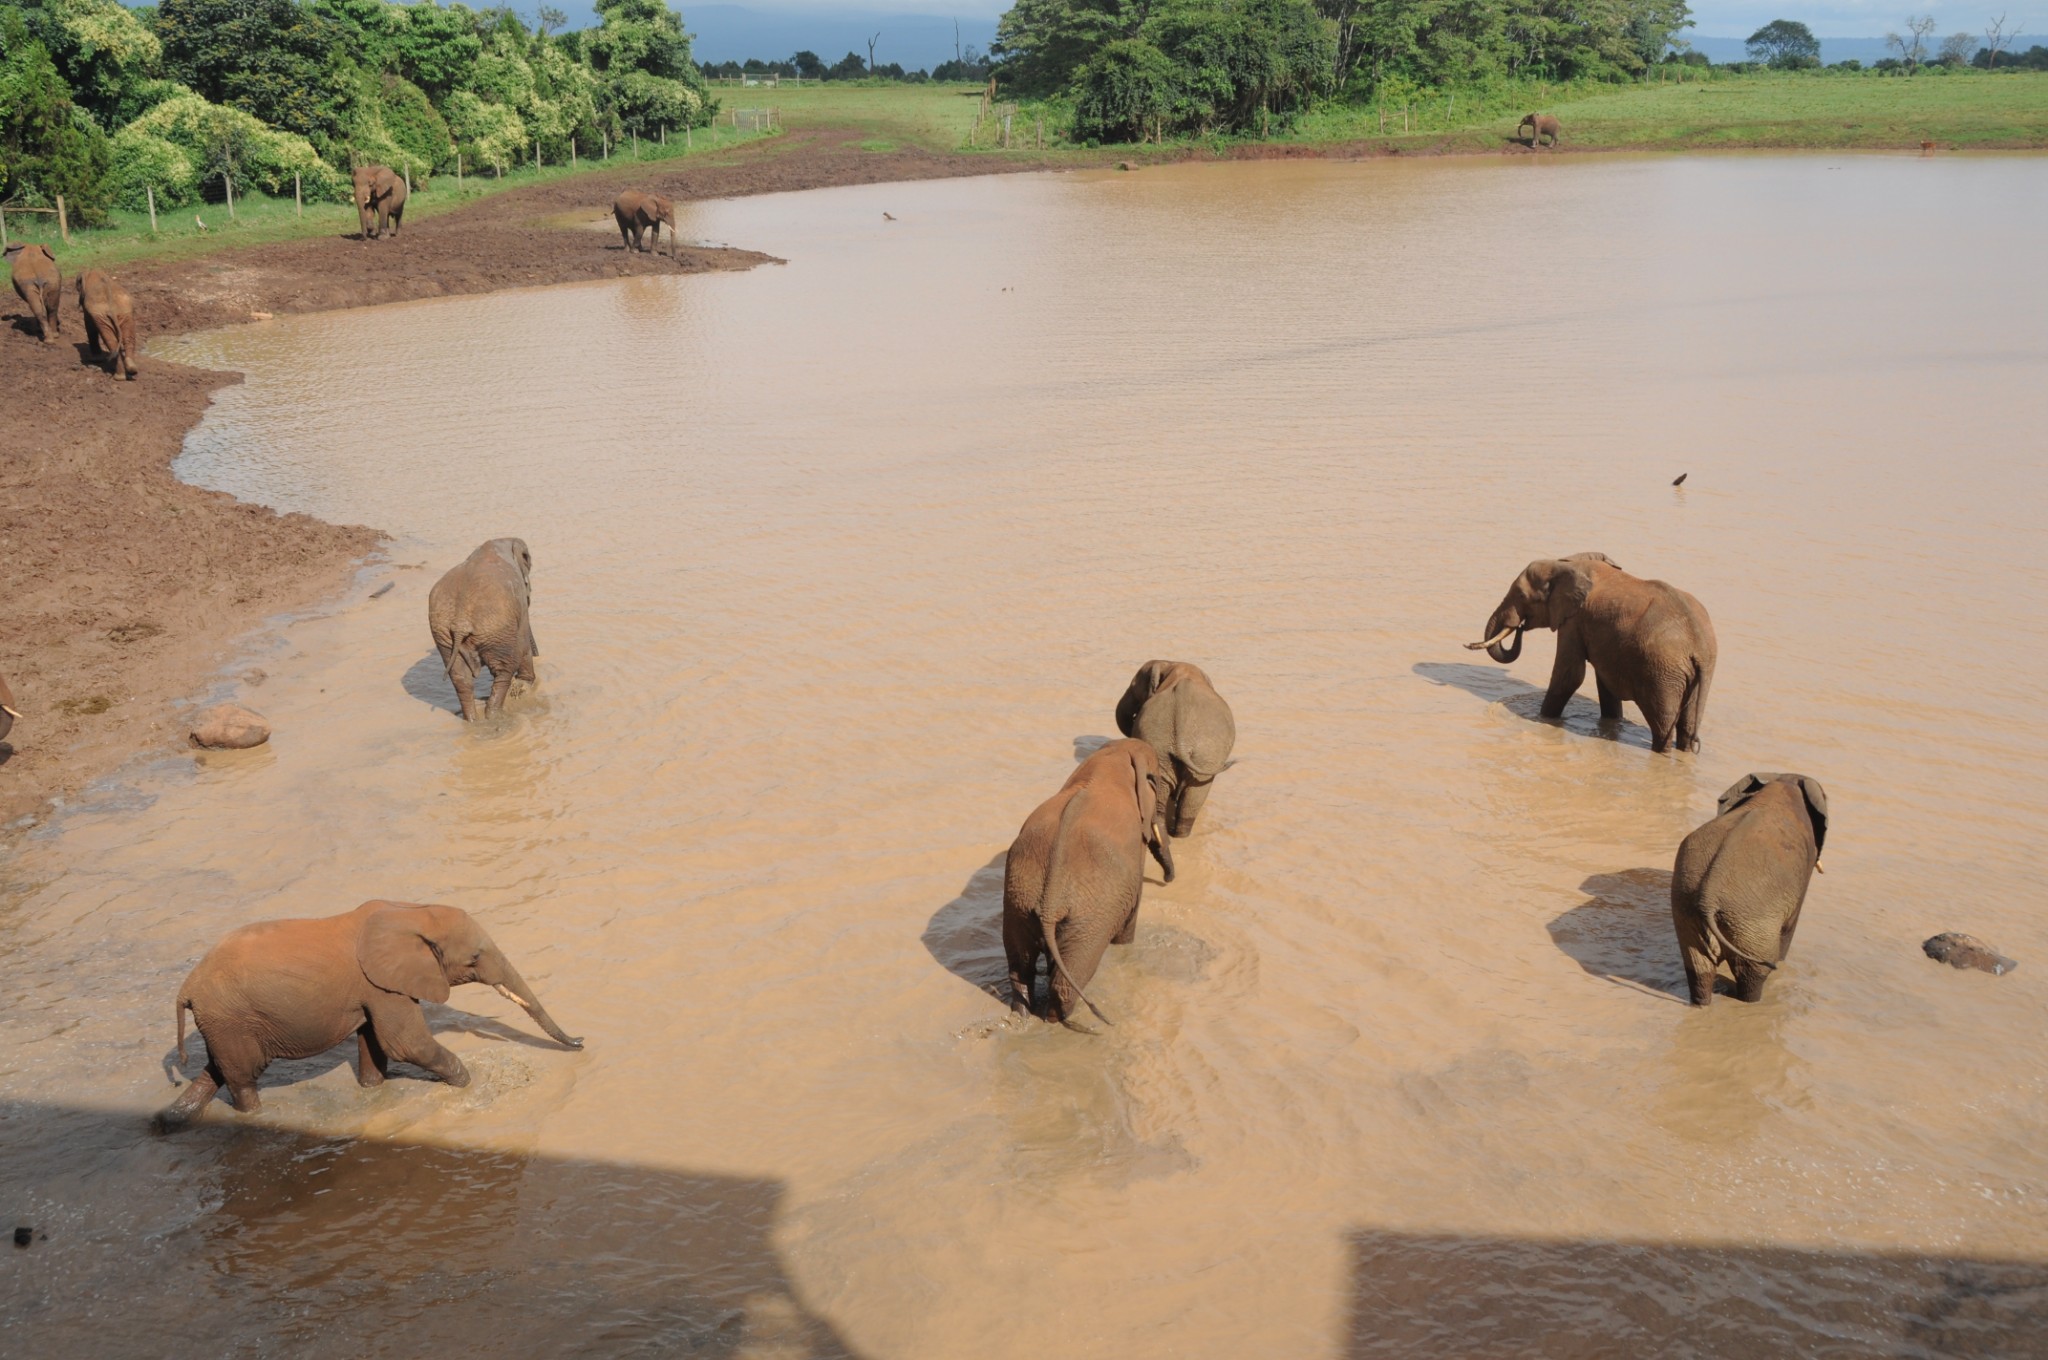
<point x="109" y="311"/>
<point x="1073" y="877"/>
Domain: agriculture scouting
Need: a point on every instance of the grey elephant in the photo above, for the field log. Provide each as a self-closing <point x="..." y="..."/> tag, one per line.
<point x="291" y="989"/>
<point x="1538" y="126"/>
<point x="1172" y="706"/>
<point x="1073" y="877"/>
<point x="638" y="213"/>
<point x="380" y="194"/>
<point x="1740" y="881"/>
<point x="1647" y="642"/>
<point x="480" y="616"/>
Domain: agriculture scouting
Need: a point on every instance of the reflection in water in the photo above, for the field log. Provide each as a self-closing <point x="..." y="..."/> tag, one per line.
<point x="840" y="564"/>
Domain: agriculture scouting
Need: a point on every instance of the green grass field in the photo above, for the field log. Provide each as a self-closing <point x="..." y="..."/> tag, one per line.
<point x="259" y="219"/>
<point x="936" y="117"/>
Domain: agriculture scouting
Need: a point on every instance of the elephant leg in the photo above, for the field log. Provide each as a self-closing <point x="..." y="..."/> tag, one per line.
<point x="1082" y="945"/>
<point x="1567" y="673"/>
<point x="1610" y="702"/>
<point x="1128" y="931"/>
<point x="1022" y="945"/>
<point x="1660" y="715"/>
<point x="1188" y="801"/>
<point x="1699" y="974"/>
<point x="1749" y="981"/>
<point x="401" y="1028"/>
<point x="501" y="690"/>
<point x="198" y="1093"/>
<point x="462" y="676"/>
<point x="373" y="1064"/>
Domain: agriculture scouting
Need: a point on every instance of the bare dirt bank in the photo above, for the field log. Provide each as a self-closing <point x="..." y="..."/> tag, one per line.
<point x="124" y="587"/>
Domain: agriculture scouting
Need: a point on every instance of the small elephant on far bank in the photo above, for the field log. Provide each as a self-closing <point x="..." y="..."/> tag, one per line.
<point x="109" y="321"/>
<point x="480" y="614"/>
<point x="1646" y="641"/>
<point x="39" y="285"/>
<point x="1741" y="879"/>
<point x="638" y="213"/>
<point x="380" y="194"/>
<point x="293" y="989"/>
<point x="1537" y="127"/>
<point x="1074" y="876"/>
<point x="1172" y="706"/>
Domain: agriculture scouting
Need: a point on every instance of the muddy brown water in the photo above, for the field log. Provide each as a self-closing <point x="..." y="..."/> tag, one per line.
<point x="840" y="564"/>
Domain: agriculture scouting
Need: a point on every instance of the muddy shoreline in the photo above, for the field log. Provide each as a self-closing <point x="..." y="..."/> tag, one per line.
<point x="125" y="588"/>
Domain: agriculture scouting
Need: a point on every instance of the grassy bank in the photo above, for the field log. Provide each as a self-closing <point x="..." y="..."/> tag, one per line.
<point x="259" y="219"/>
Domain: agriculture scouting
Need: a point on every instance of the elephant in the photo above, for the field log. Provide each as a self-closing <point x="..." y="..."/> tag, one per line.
<point x="1740" y="880"/>
<point x="479" y="614"/>
<point x="1540" y="125"/>
<point x="1647" y="641"/>
<point x="291" y="989"/>
<point x="637" y="212"/>
<point x="109" y="321"/>
<point x="1172" y="705"/>
<point x="380" y="199"/>
<point x="8" y="712"/>
<point x="1073" y="877"/>
<point x="40" y="285"/>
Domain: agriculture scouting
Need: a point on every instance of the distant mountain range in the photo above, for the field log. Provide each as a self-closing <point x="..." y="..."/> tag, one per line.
<point x="1832" y="50"/>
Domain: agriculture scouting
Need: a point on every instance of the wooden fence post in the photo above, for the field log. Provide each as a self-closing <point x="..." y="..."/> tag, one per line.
<point x="688" y="140"/>
<point x="572" y="153"/>
<point x="536" y="153"/>
<point x="63" y="227"/>
<point x="458" y="172"/>
<point x="148" y="190"/>
<point x="298" y="202"/>
<point x="1041" y="134"/>
<point x="664" y="134"/>
<point x="3" y="226"/>
<point x="407" y="168"/>
<point x="229" y="182"/>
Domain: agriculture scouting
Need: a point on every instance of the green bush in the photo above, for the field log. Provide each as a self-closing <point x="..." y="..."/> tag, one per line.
<point x="48" y="145"/>
<point x="486" y="134"/>
<point x="144" y="161"/>
<point x="1123" y="92"/>
<point x="393" y="123"/>
<point x="217" y="138"/>
<point x="643" y="103"/>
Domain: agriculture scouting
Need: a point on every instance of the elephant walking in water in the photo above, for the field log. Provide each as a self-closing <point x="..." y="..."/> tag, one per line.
<point x="481" y="619"/>
<point x="1072" y="879"/>
<point x="1172" y="706"/>
<point x="638" y="213"/>
<point x="1740" y="881"/>
<point x="291" y="989"/>
<point x="1647" y="642"/>
<point x="380" y="199"/>
<point x="40" y="285"/>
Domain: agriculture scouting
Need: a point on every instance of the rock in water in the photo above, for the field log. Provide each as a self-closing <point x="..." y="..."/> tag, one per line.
<point x="1958" y="950"/>
<point x="230" y="727"/>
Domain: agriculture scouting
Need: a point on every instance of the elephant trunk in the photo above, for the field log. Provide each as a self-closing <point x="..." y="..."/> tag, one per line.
<point x="1503" y="636"/>
<point x="513" y="987"/>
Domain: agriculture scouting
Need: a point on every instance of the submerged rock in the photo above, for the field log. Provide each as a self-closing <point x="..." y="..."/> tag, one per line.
<point x="1958" y="950"/>
<point x="230" y="727"/>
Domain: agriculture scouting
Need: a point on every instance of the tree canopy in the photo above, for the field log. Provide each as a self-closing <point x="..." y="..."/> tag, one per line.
<point x="1784" y="43"/>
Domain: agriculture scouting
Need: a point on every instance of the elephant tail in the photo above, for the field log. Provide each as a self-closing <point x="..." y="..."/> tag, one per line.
<point x="184" y="1004"/>
<point x="466" y="652"/>
<point x="1692" y="705"/>
<point x="1045" y="917"/>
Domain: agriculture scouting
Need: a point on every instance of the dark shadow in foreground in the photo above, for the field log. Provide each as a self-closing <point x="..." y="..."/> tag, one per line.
<point x="966" y="935"/>
<point x="1623" y="931"/>
<point x="241" y="1240"/>
<point x="427" y="681"/>
<point x="1428" y="1295"/>
<point x="1524" y="700"/>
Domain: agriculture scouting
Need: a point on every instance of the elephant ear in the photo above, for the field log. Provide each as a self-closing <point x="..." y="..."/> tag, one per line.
<point x="1571" y="581"/>
<point x="398" y="954"/>
<point x="1148" y="797"/>
<point x="1817" y="809"/>
<point x="1740" y="792"/>
<point x="1142" y="684"/>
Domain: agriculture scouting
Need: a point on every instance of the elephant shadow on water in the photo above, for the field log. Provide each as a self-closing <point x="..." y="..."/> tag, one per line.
<point x="326" y="1246"/>
<point x="1524" y="700"/>
<point x="1622" y="932"/>
<point x="966" y="935"/>
<point x="427" y="681"/>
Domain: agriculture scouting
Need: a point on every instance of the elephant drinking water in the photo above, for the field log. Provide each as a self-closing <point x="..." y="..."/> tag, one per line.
<point x="1646" y="641"/>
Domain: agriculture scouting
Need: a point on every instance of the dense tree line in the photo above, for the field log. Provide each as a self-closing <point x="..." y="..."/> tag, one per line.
<point x="969" y="65"/>
<point x="1139" y="66"/>
<point x="104" y="104"/>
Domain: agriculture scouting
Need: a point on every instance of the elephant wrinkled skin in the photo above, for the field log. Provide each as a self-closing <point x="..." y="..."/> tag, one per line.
<point x="292" y="989"/>
<point x="637" y="213"/>
<point x="1172" y="706"/>
<point x="109" y="321"/>
<point x="40" y="285"/>
<point x="380" y="195"/>
<point x="480" y="616"/>
<point x="1740" y="881"/>
<point x="1073" y="877"/>
<point x="1647" y="642"/>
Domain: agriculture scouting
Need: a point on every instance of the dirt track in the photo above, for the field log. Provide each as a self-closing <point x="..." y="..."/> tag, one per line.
<point x="123" y="587"/>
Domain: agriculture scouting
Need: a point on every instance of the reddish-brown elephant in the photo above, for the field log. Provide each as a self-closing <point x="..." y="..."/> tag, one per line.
<point x="291" y="989"/>
<point x="1740" y="880"/>
<point x="380" y="200"/>
<point x="638" y="213"/>
<point x="481" y="617"/>
<point x="109" y="321"/>
<point x="1072" y="880"/>
<point x="1172" y="705"/>
<point x="1647" y="642"/>
<point x="40" y="285"/>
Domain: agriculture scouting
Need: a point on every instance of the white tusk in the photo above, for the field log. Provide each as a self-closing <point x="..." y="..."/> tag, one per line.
<point x="508" y="994"/>
<point x="8" y="711"/>
<point x="1816" y="866"/>
<point x="1475" y="646"/>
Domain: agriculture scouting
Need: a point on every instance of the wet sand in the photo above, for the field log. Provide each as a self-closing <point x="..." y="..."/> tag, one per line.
<point x="836" y="578"/>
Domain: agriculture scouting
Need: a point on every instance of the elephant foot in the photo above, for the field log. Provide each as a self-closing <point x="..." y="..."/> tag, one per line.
<point x="455" y="1074"/>
<point x="191" y="1102"/>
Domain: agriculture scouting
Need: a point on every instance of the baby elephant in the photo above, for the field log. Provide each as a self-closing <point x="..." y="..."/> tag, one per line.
<point x="479" y="616"/>
<point x="638" y="213"/>
<point x="1073" y="877"/>
<point x="1740" y="880"/>
<point x="109" y="321"/>
<point x="291" y="989"/>
<point x="40" y="286"/>
<point x="1540" y="125"/>
<point x="1172" y="706"/>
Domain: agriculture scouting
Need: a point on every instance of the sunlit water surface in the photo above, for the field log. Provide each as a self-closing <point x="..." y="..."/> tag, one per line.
<point x="839" y="564"/>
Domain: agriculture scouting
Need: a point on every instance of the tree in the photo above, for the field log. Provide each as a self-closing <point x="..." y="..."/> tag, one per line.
<point x="47" y="144"/>
<point x="848" y="67"/>
<point x="1912" y="49"/>
<point x="808" y="65"/>
<point x="552" y="20"/>
<point x="1783" y="39"/>
<point x="1956" y="49"/>
<point x="269" y="58"/>
<point x="437" y="47"/>
<point x="1996" y="40"/>
<point x="871" y="50"/>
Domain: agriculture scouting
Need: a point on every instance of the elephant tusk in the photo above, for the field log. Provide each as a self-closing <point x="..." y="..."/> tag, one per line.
<point x="8" y="711"/>
<point x="1816" y="867"/>
<point x="1476" y="646"/>
<point x="511" y="996"/>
